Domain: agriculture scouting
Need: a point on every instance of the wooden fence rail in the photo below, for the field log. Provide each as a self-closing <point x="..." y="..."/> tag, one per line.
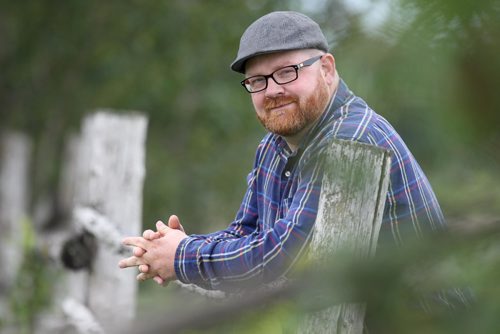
<point x="349" y="218"/>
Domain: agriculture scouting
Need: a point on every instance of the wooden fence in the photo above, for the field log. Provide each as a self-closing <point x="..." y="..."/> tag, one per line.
<point x="102" y="188"/>
<point x="349" y="219"/>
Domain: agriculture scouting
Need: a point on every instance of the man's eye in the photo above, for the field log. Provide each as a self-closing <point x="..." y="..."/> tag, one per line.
<point x="286" y="72"/>
<point x="256" y="81"/>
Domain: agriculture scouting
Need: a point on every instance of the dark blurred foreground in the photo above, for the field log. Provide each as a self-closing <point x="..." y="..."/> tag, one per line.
<point x="445" y="284"/>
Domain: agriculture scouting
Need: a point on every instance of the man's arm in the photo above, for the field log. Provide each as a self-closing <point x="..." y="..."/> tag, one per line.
<point x="261" y="256"/>
<point x="244" y="224"/>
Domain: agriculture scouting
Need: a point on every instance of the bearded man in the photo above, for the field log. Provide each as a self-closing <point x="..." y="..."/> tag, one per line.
<point x="300" y="99"/>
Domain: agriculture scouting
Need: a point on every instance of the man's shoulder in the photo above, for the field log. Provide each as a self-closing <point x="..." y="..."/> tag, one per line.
<point x="354" y="120"/>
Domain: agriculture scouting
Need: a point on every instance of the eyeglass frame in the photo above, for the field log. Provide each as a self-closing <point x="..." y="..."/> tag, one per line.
<point x="297" y="67"/>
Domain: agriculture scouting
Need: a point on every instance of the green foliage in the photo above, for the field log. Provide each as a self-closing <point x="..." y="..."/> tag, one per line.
<point x="432" y="69"/>
<point x="32" y="289"/>
<point x="469" y="194"/>
<point x="167" y="59"/>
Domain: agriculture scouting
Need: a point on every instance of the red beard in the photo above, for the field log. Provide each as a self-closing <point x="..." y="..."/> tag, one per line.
<point x="297" y="115"/>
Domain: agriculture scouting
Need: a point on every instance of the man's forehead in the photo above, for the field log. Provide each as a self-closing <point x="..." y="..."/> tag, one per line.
<point x="272" y="61"/>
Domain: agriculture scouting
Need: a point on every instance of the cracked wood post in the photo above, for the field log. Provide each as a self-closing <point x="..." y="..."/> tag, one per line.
<point x="71" y="286"/>
<point x="112" y="170"/>
<point x="15" y="151"/>
<point x="349" y="218"/>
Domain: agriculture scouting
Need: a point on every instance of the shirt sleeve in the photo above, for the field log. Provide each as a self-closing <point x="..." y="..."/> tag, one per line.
<point x="246" y="255"/>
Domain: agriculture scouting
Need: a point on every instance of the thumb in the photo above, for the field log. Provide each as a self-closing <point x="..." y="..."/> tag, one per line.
<point x="161" y="227"/>
<point x="174" y="223"/>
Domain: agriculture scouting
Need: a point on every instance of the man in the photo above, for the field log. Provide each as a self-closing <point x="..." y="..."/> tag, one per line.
<point x="300" y="99"/>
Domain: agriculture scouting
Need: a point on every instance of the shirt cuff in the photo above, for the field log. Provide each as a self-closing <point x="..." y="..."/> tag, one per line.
<point x="186" y="263"/>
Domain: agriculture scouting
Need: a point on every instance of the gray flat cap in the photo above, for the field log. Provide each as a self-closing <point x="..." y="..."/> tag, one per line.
<point x="278" y="31"/>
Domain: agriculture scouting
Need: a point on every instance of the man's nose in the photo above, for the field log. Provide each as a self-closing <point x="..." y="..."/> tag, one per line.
<point x="273" y="88"/>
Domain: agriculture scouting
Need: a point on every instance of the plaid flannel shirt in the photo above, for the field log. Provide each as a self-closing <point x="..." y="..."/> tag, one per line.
<point x="275" y="221"/>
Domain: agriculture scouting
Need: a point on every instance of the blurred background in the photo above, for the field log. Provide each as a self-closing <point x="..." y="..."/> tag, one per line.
<point x="430" y="67"/>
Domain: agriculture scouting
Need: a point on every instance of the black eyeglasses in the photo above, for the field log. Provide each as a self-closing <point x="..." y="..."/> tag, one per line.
<point x="284" y="75"/>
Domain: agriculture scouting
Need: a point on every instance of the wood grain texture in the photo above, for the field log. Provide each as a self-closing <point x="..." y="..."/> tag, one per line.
<point x="111" y="165"/>
<point x="349" y="218"/>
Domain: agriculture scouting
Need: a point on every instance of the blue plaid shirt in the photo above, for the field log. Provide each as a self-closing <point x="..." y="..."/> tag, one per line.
<point x="275" y="221"/>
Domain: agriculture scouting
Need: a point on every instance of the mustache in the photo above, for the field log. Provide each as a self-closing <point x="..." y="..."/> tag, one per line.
<point x="273" y="102"/>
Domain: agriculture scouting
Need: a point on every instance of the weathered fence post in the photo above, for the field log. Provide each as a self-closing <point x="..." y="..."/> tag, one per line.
<point x="100" y="201"/>
<point x="15" y="151"/>
<point x="109" y="191"/>
<point x="349" y="218"/>
<point x="71" y="287"/>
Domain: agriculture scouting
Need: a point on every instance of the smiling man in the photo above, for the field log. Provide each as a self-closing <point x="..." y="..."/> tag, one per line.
<point x="300" y="99"/>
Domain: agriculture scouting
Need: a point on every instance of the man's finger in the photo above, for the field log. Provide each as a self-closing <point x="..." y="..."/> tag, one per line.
<point x="148" y="234"/>
<point x="130" y="262"/>
<point x="174" y="223"/>
<point x="141" y="277"/>
<point x="162" y="228"/>
<point x="160" y="281"/>
<point x="144" y="277"/>
<point x="136" y="241"/>
<point x="138" y="251"/>
<point x="143" y="268"/>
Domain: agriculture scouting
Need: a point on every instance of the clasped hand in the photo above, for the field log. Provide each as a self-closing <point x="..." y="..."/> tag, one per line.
<point x="154" y="252"/>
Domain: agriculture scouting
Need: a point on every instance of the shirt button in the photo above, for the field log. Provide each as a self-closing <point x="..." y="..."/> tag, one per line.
<point x="287" y="173"/>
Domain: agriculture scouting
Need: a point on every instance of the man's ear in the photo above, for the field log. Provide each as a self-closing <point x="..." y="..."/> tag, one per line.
<point x="328" y="68"/>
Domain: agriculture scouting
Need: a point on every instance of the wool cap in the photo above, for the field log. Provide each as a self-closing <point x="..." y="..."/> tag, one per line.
<point x="278" y="31"/>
